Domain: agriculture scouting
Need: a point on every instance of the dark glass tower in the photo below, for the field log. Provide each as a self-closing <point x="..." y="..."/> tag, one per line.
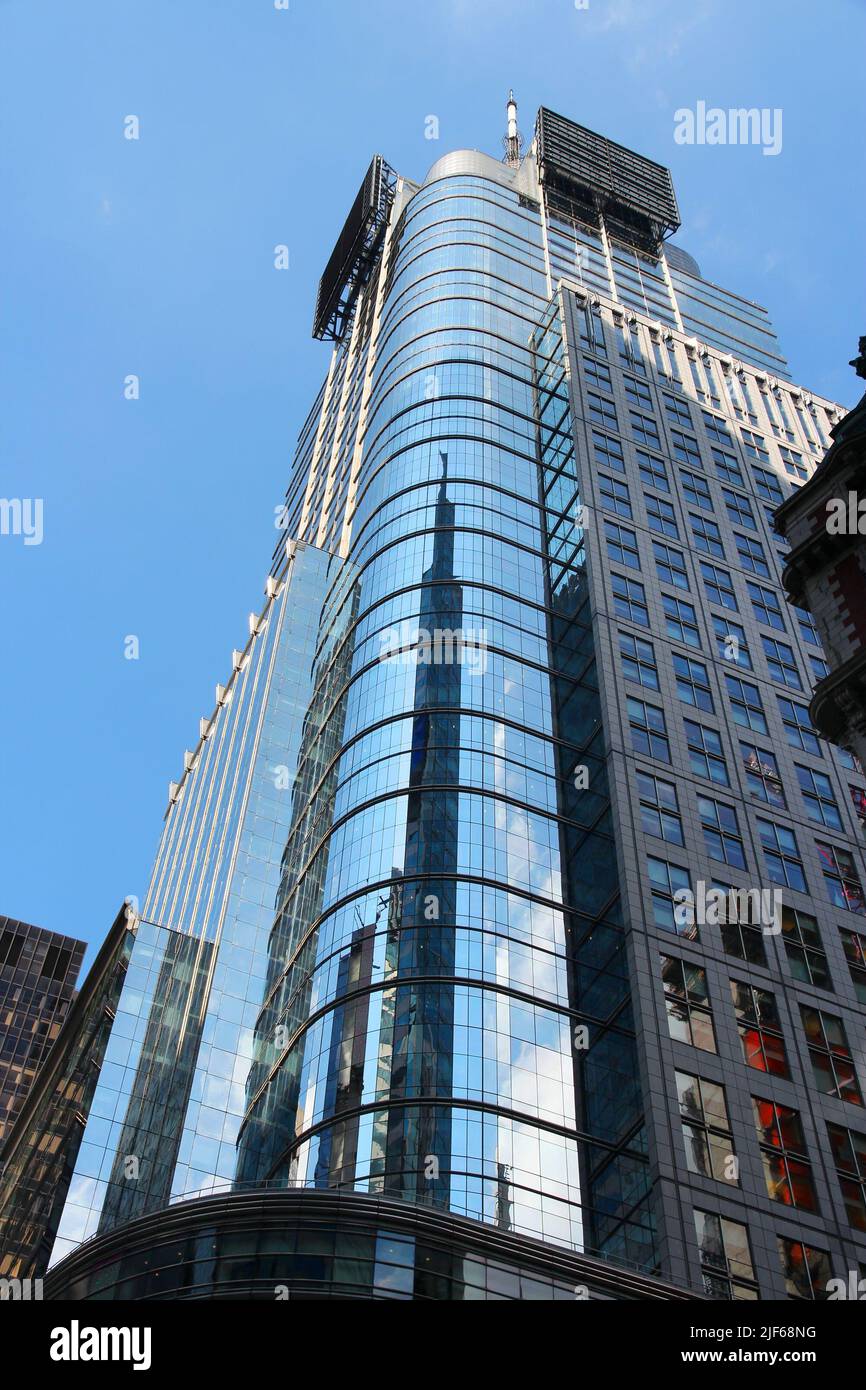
<point x="38" y="972"/>
<point x="461" y="1015"/>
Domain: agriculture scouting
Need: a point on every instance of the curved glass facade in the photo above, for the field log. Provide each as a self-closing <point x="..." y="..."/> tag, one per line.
<point x="419" y="1032"/>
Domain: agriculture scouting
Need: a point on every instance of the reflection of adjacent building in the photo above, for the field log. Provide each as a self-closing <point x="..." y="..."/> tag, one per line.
<point x="825" y="524"/>
<point x="159" y="1102"/>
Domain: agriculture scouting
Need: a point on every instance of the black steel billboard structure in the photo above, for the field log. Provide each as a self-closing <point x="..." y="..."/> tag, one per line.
<point x="587" y="175"/>
<point x="355" y="253"/>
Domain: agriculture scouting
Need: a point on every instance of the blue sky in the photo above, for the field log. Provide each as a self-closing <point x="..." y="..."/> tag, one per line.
<point x="155" y="257"/>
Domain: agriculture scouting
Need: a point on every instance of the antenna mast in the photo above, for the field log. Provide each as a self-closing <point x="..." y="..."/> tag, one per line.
<point x="513" y="141"/>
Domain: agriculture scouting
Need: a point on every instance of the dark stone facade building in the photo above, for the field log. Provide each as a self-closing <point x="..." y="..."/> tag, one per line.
<point x="825" y="522"/>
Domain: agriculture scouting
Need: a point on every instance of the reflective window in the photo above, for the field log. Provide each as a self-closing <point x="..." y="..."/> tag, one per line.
<point x="832" y="1063"/>
<point x="787" y="1170"/>
<point x="759" y="1028"/>
<point x="706" y="1128"/>
<point x="687" y="1003"/>
<point x="726" y="1259"/>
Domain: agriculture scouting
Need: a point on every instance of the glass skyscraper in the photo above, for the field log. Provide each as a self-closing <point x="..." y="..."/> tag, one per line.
<point x="507" y="930"/>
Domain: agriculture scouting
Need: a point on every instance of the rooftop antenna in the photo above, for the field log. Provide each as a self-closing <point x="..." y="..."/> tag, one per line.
<point x="513" y="140"/>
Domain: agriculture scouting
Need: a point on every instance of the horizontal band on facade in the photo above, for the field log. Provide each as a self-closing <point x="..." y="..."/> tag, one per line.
<point x="264" y="1210"/>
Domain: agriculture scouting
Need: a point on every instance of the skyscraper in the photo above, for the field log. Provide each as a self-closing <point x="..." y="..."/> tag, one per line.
<point x="506" y="932"/>
<point x="38" y="971"/>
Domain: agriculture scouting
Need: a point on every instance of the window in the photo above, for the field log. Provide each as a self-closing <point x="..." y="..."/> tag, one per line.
<point x="731" y="641"/>
<point x="808" y="630"/>
<point x="658" y="808"/>
<point x="705" y="753"/>
<point x="818" y="797"/>
<point x="707" y="536"/>
<point x="781" y="855"/>
<point x="841" y="877"/>
<point x="804" y="949"/>
<point x="687" y="1003"/>
<point x="645" y="430"/>
<point x="693" y="682"/>
<point x="734" y="392"/>
<point x="677" y="410"/>
<point x="716" y="428"/>
<point x="807" y="1270"/>
<point x="745" y="703"/>
<point x="660" y="516"/>
<point x="652" y="471"/>
<point x="648" y="733"/>
<point x="782" y="402"/>
<point x="854" y="947"/>
<point x="592" y="331"/>
<point x="697" y="490"/>
<point x="727" y="467"/>
<point x="794" y="463"/>
<point x="752" y="556"/>
<point x="767" y="485"/>
<point x="661" y="366"/>
<point x="781" y="663"/>
<point x="696" y="374"/>
<point x="671" y="565"/>
<point x="762" y="775"/>
<point x="726" y="1260"/>
<point x="638" y="660"/>
<point x="597" y="374"/>
<point x="832" y="1064"/>
<point x="754" y="445"/>
<point x="676" y="379"/>
<point x="765" y="602"/>
<point x="622" y="545"/>
<point x="666" y="880"/>
<point x="629" y="348"/>
<point x="849" y="1156"/>
<point x="608" y="451"/>
<point x="722" y="837"/>
<point x="760" y="1031"/>
<point x="787" y="1171"/>
<point x="614" y="495"/>
<point x="706" y="1128"/>
<point x="858" y="801"/>
<point x="638" y="391"/>
<point x="719" y="586"/>
<point x="782" y="545"/>
<point x="681" y="620"/>
<point x="603" y="412"/>
<point x="847" y="759"/>
<point x="629" y="600"/>
<point x="685" y="449"/>
<point x="739" y="509"/>
<point x="819" y="667"/>
<point x="747" y="388"/>
<point x="797" y="726"/>
<point x="741" y="926"/>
